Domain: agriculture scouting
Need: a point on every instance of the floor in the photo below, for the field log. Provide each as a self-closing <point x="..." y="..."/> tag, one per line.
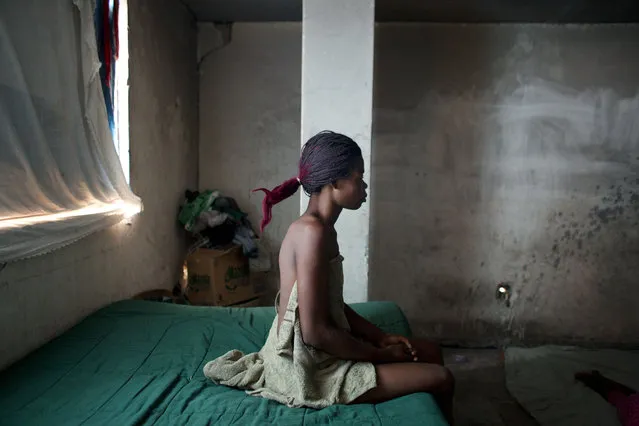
<point x="481" y="395"/>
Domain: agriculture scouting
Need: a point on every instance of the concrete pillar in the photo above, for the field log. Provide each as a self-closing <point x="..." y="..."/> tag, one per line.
<point x="337" y="94"/>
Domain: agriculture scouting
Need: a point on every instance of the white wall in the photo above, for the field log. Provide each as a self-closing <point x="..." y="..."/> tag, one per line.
<point x="250" y="120"/>
<point x="42" y="297"/>
<point x="337" y="93"/>
<point x="465" y="194"/>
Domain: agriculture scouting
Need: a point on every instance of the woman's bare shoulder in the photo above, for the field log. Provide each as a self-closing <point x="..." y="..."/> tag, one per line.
<point x="307" y="226"/>
<point x="307" y="232"/>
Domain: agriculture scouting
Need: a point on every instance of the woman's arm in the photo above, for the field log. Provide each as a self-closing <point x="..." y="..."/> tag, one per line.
<point x="368" y="331"/>
<point x="318" y="330"/>
<point x="363" y="328"/>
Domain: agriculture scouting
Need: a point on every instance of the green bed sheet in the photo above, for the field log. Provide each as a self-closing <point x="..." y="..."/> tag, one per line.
<point x="139" y="363"/>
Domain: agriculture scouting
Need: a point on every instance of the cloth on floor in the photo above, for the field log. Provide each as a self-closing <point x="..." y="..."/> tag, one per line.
<point x="229" y="206"/>
<point x="290" y="372"/>
<point x="627" y="407"/>
<point x="542" y="380"/>
<point x="209" y="219"/>
<point x="244" y="237"/>
<point x="220" y="236"/>
<point x="219" y="219"/>
<point x="196" y="204"/>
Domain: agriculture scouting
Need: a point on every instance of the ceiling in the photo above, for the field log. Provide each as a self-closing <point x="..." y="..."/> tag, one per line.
<point x="456" y="11"/>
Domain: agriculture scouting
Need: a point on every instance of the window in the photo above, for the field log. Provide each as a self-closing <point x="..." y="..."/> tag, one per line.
<point x="62" y="177"/>
<point x="121" y="90"/>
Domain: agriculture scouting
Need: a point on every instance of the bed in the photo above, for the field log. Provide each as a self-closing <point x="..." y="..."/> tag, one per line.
<point x="140" y="363"/>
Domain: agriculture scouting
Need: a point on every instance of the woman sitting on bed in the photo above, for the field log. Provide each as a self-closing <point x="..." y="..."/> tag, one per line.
<point x="319" y="352"/>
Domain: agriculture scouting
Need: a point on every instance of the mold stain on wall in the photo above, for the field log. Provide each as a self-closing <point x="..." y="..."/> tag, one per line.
<point x="507" y="153"/>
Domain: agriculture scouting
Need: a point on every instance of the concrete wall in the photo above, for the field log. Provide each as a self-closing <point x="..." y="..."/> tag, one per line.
<point x="42" y="297"/>
<point x="500" y="153"/>
<point x="508" y="153"/>
<point x="250" y="120"/>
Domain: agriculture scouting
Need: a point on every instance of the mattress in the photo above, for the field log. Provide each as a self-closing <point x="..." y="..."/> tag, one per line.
<point x="140" y="363"/>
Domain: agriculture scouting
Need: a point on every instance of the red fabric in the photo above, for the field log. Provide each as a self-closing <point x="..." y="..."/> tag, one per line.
<point x="627" y="407"/>
<point x="106" y="32"/>
<point x="278" y="194"/>
<point x="116" y="8"/>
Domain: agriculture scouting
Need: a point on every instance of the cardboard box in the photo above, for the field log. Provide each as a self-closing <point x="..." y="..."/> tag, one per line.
<point x="219" y="277"/>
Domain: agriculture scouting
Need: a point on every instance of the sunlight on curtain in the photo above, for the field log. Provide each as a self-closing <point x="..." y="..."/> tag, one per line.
<point x="60" y="176"/>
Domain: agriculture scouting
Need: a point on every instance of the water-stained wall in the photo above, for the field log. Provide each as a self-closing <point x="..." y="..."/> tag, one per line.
<point x="508" y="153"/>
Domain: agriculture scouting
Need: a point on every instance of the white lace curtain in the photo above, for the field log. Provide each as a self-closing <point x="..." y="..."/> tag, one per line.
<point x="60" y="176"/>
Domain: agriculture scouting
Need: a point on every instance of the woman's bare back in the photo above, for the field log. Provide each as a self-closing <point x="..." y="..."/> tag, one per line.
<point x="287" y="258"/>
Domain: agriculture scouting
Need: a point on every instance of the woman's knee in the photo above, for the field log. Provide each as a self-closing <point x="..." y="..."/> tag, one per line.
<point x="449" y="381"/>
<point x="441" y="380"/>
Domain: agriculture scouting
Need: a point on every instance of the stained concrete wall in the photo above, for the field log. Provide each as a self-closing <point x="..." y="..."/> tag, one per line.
<point x="508" y="153"/>
<point x="42" y="297"/>
<point x="250" y="120"/>
<point x="500" y="153"/>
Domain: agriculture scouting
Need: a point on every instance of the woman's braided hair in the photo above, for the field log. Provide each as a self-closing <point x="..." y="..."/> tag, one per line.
<point x="326" y="158"/>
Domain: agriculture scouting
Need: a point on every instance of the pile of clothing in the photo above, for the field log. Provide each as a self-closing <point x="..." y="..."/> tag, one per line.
<point x="217" y="221"/>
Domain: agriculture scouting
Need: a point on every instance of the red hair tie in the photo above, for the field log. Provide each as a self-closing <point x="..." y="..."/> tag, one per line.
<point x="278" y="194"/>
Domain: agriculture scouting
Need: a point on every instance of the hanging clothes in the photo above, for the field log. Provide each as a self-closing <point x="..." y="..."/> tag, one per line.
<point x="106" y="33"/>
